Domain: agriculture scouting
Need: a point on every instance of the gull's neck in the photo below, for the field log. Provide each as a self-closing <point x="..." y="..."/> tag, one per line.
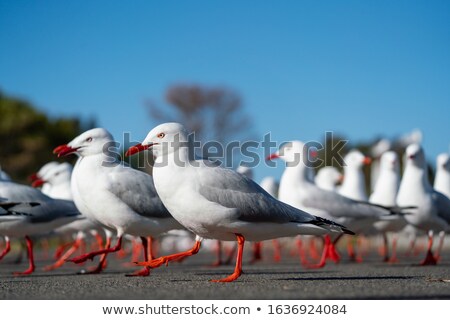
<point x="354" y="185"/>
<point x="386" y="188"/>
<point x="414" y="182"/>
<point x="179" y="158"/>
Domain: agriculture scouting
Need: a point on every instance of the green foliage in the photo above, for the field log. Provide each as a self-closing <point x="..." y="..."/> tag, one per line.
<point x="28" y="136"/>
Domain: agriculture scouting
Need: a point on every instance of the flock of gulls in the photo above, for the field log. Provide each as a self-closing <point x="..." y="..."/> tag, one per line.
<point x="103" y="201"/>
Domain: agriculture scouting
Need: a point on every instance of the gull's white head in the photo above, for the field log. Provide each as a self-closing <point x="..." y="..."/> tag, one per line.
<point x="162" y="140"/>
<point x="91" y="142"/>
<point x="389" y="161"/>
<point x="292" y="152"/>
<point x="59" y="174"/>
<point x="42" y="171"/>
<point x="415" y="156"/>
<point x="443" y="162"/>
<point x="46" y="167"/>
<point x="355" y="159"/>
<point x="328" y="178"/>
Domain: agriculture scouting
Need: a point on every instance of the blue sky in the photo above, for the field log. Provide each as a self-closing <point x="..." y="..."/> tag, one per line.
<point x="360" y="68"/>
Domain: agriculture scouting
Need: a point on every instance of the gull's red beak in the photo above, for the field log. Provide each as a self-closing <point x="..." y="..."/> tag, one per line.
<point x="272" y="156"/>
<point x="313" y="153"/>
<point x="64" y="150"/>
<point x="136" y="149"/>
<point x="37" y="183"/>
<point x="367" y="161"/>
<point x="340" y="179"/>
<point x="33" y="177"/>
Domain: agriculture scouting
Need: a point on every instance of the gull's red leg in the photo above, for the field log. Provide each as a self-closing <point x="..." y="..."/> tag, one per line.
<point x="150" y="250"/>
<point x="257" y="246"/>
<point x="6" y="250"/>
<point x="65" y="256"/>
<point x="351" y="250"/>
<point x="393" y="258"/>
<point x="146" y="270"/>
<point x="218" y="252"/>
<point x="155" y="263"/>
<point x="136" y="250"/>
<point x="429" y="258"/>
<point x="102" y="262"/>
<point x="238" y="268"/>
<point x="299" y="244"/>
<point x="61" y="248"/>
<point x="91" y="255"/>
<point x="385" y="248"/>
<point x="276" y="250"/>
<point x="31" y="267"/>
<point x="313" y="253"/>
<point x="328" y="252"/>
<point x="333" y="254"/>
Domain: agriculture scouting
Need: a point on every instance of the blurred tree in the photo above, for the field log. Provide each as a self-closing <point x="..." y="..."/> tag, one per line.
<point x="213" y="113"/>
<point x="28" y="136"/>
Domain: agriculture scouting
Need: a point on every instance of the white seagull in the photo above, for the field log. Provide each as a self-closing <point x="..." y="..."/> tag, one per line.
<point x="433" y="208"/>
<point x="219" y="203"/>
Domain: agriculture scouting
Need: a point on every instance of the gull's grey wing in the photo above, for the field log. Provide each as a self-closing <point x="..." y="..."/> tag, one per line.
<point x="47" y="211"/>
<point x="233" y="190"/>
<point x="137" y="190"/>
<point x="340" y="206"/>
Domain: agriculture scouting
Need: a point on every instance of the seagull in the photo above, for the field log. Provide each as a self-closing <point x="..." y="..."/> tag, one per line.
<point x="218" y="203"/>
<point x="433" y="208"/>
<point x="354" y="183"/>
<point x="119" y="197"/>
<point x="442" y="177"/>
<point x="385" y="193"/>
<point x="328" y="178"/>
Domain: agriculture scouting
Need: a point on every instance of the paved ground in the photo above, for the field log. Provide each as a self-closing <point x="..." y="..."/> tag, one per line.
<point x="265" y="280"/>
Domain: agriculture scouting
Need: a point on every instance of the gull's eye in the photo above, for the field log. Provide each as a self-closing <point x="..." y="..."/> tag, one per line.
<point x="89" y="139"/>
<point x="161" y="135"/>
